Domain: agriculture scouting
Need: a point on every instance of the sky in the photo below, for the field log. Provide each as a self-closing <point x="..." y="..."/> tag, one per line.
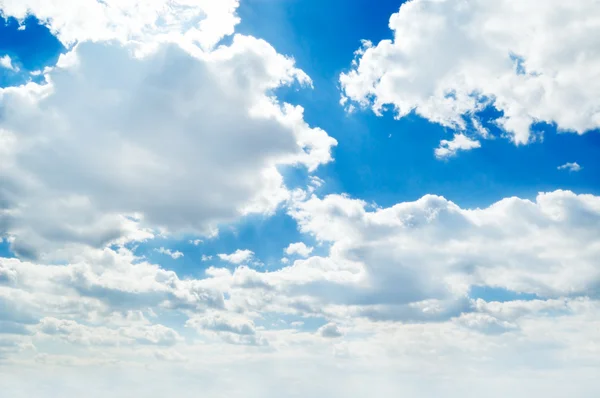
<point x="292" y="198"/>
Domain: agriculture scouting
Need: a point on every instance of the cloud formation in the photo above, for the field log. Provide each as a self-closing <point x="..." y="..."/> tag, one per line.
<point x="533" y="62"/>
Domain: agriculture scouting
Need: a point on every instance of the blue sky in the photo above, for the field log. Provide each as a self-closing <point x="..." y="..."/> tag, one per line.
<point x="150" y="209"/>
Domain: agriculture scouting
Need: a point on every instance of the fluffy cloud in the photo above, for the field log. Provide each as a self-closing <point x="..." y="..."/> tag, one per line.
<point x="202" y="21"/>
<point x="175" y="140"/>
<point x="573" y="167"/>
<point x="115" y="308"/>
<point x="237" y="257"/>
<point x="460" y="142"/>
<point x="298" y="248"/>
<point x="6" y="63"/>
<point x="534" y="62"/>
<point x="433" y="249"/>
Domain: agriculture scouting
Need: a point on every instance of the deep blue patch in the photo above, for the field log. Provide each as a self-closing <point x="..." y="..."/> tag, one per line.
<point x="31" y="46"/>
<point x="5" y="249"/>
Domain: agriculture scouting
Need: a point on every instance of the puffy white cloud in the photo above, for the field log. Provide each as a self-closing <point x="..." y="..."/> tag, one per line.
<point x="173" y="254"/>
<point x="6" y="63"/>
<point x="298" y="248"/>
<point x="433" y="249"/>
<point x="573" y="167"/>
<point x="202" y="21"/>
<point x="237" y="257"/>
<point x="534" y="62"/>
<point x="183" y="141"/>
<point x="460" y="142"/>
<point x="110" y="308"/>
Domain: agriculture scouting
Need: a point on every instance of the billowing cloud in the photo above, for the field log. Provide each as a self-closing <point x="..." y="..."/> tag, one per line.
<point x="460" y="142"/>
<point x="237" y="257"/>
<point x="184" y="141"/>
<point x="534" y="62"/>
<point x="433" y="249"/>
<point x="298" y="248"/>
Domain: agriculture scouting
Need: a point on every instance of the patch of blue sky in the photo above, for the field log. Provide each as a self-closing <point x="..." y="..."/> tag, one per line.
<point x="5" y="249"/>
<point x="266" y="236"/>
<point x="31" y="47"/>
<point x="489" y="294"/>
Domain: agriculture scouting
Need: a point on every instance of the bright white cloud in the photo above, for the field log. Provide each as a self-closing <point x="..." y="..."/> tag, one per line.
<point x="237" y="257"/>
<point x="460" y="142"/>
<point x="202" y="21"/>
<point x="573" y="167"/>
<point x="173" y="254"/>
<point x="298" y="248"/>
<point x="436" y="250"/>
<point x="147" y="136"/>
<point x="392" y="290"/>
<point x="534" y="61"/>
<point x="6" y="63"/>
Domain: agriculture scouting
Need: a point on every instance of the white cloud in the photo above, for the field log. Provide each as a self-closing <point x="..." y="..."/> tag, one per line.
<point x="109" y="309"/>
<point x="298" y="248"/>
<point x="196" y="242"/>
<point x="460" y="142"/>
<point x="173" y="254"/>
<point x="206" y="258"/>
<point x="175" y="126"/>
<point x="437" y="250"/>
<point x="535" y="62"/>
<point x="237" y="257"/>
<point x="573" y="167"/>
<point x="202" y="21"/>
<point x="6" y="63"/>
<point x="330" y="331"/>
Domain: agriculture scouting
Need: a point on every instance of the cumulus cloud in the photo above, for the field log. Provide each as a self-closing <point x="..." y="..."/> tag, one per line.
<point x="572" y="167"/>
<point x="446" y="62"/>
<point x="460" y="142"/>
<point x="366" y="283"/>
<point x="237" y="257"/>
<point x="6" y="63"/>
<point x="298" y="248"/>
<point x="201" y="21"/>
<point x="173" y="254"/>
<point x="330" y="331"/>
<point x="436" y="250"/>
<point x="147" y="136"/>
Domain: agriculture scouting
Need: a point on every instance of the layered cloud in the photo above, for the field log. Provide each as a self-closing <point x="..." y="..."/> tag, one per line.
<point x="394" y="291"/>
<point x="533" y="62"/>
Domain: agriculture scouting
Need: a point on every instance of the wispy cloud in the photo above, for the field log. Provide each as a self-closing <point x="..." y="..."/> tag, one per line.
<point x="573" y="167"/>
<point x="174" y="254"/>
